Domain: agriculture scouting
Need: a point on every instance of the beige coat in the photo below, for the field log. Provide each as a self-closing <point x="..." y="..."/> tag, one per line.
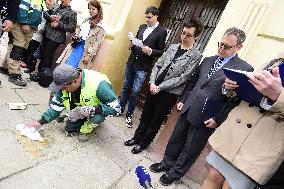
<point x="92" y="45"/>
<point x="253" y="141"/>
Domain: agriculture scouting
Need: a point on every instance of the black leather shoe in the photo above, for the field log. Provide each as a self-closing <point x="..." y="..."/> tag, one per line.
<point x="137" y="149"/>
<point x="34" y="77"/>
<point x="130" y="142"/>
<point x="28" y="71"/>
<point x="157" y="168"/>
<point x="166" y="179"/>
<point x="17" y="80"/>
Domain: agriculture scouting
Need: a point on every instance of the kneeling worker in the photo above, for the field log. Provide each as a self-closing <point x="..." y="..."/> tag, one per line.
<point x="86" y="94"/>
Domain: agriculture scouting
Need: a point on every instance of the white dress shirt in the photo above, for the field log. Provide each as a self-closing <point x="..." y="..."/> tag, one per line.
<point x="149" y="30"/>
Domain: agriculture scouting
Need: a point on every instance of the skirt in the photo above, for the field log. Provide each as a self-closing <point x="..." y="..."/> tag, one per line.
<point x="235" y="178"/>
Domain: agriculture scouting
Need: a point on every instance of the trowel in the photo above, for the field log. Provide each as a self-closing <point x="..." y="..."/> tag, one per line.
<point x="19" y="106"/>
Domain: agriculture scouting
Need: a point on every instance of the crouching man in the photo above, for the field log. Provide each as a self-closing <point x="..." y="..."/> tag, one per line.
<point x="86" y="94"/>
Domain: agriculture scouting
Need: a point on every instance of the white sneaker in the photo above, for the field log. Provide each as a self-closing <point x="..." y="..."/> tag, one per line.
<point x="119" y="113"/>
<point x="128" y="121"/>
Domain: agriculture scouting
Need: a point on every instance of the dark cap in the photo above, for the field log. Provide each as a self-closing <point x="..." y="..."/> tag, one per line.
<point x="62" y="74"/>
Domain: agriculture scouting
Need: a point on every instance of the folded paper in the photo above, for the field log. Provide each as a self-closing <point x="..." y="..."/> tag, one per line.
<point x="29" y="132"/>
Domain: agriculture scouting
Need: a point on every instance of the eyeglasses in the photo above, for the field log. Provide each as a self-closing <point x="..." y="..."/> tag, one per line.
<point x="187" y="35"/>
<point x="225" y="46"/>
<point x="149" y="17"/>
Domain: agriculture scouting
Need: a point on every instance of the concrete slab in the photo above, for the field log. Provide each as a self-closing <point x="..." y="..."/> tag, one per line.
<point x="34" y="93"/>
<point x="111" y="142"/>
<point x="132" y="181"/>
<point x="58" y="144"/>
<point x="6" y="84"/>
<point x="9" y="95"/>
<point x="85" y="168"/>
<point x="120" y="122"/>
<point x="9" y="119"/>
<point x="60" y="161"/>
<point x="13" y="158"/>
<point x="25" y="76"/>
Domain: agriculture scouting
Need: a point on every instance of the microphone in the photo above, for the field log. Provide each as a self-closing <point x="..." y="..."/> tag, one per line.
<point x="143" y="177"/>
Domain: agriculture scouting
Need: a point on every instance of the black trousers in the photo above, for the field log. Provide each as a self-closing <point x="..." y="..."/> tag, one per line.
<point x="185" y="145"/>
<point x="47" y="50"/>
<point x="276" y="181"/>
<point x="156" y="108"/>
<point x="31" y="60"/>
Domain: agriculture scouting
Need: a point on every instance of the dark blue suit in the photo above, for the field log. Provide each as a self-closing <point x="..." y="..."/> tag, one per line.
<point x="203" y="99"/>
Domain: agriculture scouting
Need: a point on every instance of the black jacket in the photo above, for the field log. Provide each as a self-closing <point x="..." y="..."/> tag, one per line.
<point x="12" y="8"/>
<point x="155" y="40"/>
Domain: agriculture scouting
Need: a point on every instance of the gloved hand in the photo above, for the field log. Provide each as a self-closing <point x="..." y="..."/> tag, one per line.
<point x="87" y="111"/>
<point x="80" y="112"/>
<point x="75" y="114"/>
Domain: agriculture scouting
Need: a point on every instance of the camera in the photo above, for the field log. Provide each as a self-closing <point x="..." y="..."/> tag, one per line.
<point x="76" y="39"/>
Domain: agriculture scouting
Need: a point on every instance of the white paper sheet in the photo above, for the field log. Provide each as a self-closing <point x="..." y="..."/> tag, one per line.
<point x="135" y="41"/>
<point x="84" y="31"/>
<point x="29" y="132"/>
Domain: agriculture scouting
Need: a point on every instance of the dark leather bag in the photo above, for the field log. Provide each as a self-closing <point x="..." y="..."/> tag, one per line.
<point x="45" y="77"/>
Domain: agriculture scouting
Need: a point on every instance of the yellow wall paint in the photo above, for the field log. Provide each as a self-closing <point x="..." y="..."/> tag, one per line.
<point x="269" y="40"/>
<point x="255" y="17"/>
<point x="260" y="19"/>
<point x="115" y="62"/>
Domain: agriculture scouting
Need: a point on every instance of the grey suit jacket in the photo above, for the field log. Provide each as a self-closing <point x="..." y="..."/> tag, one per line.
<point x="180" y="69"/>
<point x="203" y="98"/>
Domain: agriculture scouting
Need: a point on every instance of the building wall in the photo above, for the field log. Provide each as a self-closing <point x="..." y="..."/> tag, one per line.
<point x="269" y="40"/>
<point x="260" y="20"/>
<point x="115" y="62"/>
<point x="120" y="17"/>
<point x="265" y="39"/>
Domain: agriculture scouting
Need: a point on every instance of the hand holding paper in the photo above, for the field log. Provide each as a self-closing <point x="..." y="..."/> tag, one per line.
<point x="135" y="41"/>
<point x="130" y="36"/>
<point x="246" y="91"/>
<point x="29" y="132"/>
<point x="254" y="86"/>
<point x="33" y="124"/>
<point x="266" y="83"/>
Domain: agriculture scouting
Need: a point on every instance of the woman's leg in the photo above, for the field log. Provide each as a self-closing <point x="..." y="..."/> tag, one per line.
<point x="214" y="180"/>
<point x="226" y="185"/>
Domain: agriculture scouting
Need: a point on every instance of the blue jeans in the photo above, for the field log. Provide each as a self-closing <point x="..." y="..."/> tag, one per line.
<point x="133" y="81"/>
